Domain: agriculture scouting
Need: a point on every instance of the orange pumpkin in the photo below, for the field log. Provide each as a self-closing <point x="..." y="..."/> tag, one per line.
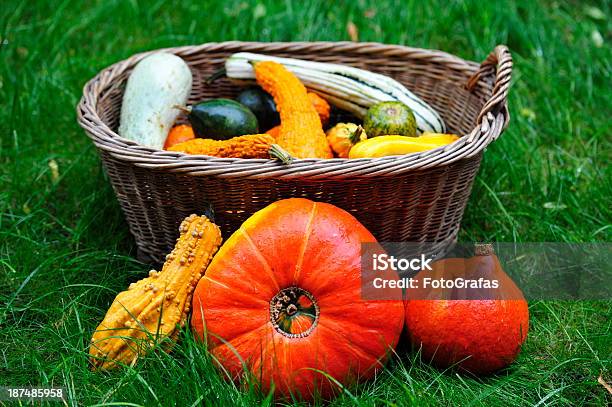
<point x="283" y="296"/>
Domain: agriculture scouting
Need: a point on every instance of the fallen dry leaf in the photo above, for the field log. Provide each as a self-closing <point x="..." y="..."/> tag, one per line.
<point x="353" y="33"/>
<point x="604" y="384"/>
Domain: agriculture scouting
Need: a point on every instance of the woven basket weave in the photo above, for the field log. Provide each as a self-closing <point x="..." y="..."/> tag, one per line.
<point x="419" y="197"/>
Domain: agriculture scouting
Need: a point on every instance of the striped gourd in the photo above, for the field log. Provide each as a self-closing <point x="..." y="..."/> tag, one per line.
<point x="349" y="88"/>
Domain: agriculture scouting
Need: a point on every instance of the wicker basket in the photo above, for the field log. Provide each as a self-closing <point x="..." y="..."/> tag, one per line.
<point x="418" y="197"/>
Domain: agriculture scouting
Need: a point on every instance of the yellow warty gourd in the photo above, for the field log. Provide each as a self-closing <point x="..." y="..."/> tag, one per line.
<point x="151" y="309"/>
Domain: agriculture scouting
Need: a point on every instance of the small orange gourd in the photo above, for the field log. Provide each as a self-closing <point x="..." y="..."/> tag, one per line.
<point x="179" y="134"/>
<point x="274" y="132"/>
<point x="343" y="136"/>
<point x="152" y="308"/>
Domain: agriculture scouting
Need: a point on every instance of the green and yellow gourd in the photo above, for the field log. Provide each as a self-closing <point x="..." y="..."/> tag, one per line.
<point x="390" y="118"/>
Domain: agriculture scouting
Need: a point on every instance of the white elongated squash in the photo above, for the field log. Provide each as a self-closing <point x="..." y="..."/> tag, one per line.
<point x="156" y="85"/>
<point x="349" y="88"/>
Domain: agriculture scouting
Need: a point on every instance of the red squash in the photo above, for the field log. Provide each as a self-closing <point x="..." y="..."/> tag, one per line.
<point x="283" y="295"/>
<point x="481" y="330"/>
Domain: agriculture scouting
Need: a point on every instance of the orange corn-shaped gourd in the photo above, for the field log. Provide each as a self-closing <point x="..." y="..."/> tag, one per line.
<point x="301" y="132"/>
<point x="248" y="146"/>
<point x="150" y="309"/>
<point x="320" y="105"/>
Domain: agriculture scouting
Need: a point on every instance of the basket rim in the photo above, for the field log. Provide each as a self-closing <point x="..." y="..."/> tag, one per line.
<point x="491" y="121"/>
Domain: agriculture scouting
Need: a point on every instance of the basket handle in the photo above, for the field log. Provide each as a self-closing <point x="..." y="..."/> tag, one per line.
<point x="499" y="62"/>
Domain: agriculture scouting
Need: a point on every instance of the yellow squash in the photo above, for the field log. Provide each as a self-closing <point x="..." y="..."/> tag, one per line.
<point x="399" y="145"/>
<point x="150" y="309"/>
<point x="438" y="138"/>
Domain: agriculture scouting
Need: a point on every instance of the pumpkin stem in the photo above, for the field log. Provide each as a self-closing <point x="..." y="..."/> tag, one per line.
<point x="216" y="75"/>
<point x="184" y="109"/>
<point x="356" y="135"/>
<point x="483" y="249"/>
<point x="280" y="153"/>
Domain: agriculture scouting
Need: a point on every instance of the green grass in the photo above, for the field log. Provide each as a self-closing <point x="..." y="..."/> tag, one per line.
<point x="65" y="249"/>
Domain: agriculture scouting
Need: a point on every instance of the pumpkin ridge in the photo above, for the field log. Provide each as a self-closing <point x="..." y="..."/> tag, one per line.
<point x="324" y="292"/>
<point x="260" y="257"/>
<point x="298" y="265"/>
<point x="329" y="309"/>
<point x="274" y="350"/>
<point x="370" y="359"/>
<point x="226" y="342"/>
<point x="216" y="282"/>
<point x="257" y="305"/>
<point x="362" y="351"/>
